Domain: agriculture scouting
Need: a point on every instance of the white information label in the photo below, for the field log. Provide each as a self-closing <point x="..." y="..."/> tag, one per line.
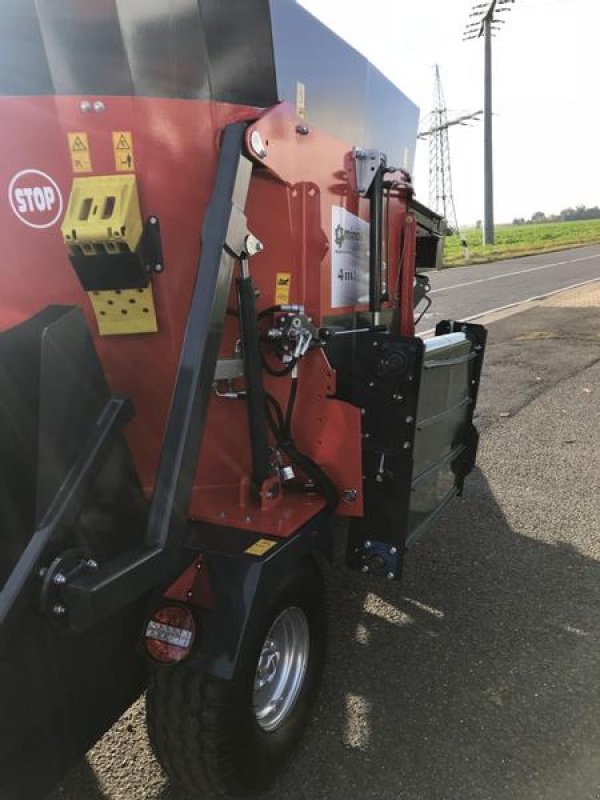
<point x="349" y="259"/>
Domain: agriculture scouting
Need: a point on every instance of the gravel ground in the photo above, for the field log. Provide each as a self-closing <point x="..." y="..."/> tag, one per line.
<point x="477" y="677"/>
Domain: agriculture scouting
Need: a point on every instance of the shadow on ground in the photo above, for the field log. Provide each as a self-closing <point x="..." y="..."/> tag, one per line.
<point x="474" y="678"/>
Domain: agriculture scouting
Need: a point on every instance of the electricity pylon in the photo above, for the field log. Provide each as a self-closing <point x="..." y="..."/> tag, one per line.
<point x="437" y="123"/>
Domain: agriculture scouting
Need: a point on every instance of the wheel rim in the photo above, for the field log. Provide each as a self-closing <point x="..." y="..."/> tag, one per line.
<point x="281" y="668"/>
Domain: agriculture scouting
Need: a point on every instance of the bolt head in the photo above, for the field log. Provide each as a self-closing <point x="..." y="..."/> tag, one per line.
<point x="257" y="145"/>
<point x="85" y="106"/>
<point x="393" y="551"/>
<point x="407" y="445"/>
<point x="58" y="609"/>
<point x="368" y="544"/>
<point x="390" y="576"/>
<point x="99" y="106"/>
<point x="365" y="568"/>
<point x="158" y="268"/>
<point x="59" y="579"/>
<point x="91" y="563"/>
<point x="252" y="245"/>
<point x="409" y="420"/>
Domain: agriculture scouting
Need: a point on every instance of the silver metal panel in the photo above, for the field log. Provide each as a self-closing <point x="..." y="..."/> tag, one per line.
<point x="166" y="48"/>
<point x="240" y="51"/>
<point x="439" y="343"/>
<point x="345" y="95"/>
<point x="23" y="64"/>
<point x="443" y="403"/>
<point x="391" y="120"/>
<point x="84" y="47"/>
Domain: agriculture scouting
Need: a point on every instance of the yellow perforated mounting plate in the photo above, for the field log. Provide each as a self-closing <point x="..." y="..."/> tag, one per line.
<point x="124" y="312"/>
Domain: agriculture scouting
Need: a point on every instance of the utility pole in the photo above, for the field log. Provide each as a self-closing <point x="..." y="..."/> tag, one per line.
<point x="485" y="23"/>
<point x="488" y="152"/>
<point x="441" y="198"/>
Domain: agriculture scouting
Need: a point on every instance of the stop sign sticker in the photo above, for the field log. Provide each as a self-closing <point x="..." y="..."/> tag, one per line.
<point x="35" y="198"/>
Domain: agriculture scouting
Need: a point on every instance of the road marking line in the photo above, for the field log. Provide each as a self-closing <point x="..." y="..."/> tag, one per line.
<point x="496" y="310"/>
<point x="511" y="274"/>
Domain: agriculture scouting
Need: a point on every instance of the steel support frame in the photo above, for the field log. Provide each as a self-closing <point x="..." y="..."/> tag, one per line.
<point x="91" y="597"/>
<point x="242" y="586"/>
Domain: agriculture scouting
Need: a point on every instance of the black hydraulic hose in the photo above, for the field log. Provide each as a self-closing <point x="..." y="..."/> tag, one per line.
<point x="285" y="443"/>
<point x="255" y="392"/>
<point x="280" y="425"/>
<point x="375" y="240"/>
<point x="278" y="373"/>
<point x="290" y="407"/>
<point x="385" y="267"/>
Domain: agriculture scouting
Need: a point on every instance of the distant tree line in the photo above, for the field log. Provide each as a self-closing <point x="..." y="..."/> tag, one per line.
<point x="567" y="215"/>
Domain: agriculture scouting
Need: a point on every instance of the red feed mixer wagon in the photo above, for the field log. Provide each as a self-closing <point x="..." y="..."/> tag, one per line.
<point x="208" y="294"/>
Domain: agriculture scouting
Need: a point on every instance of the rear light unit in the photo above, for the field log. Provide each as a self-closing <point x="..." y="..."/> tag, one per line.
<point x="170" y="634"/>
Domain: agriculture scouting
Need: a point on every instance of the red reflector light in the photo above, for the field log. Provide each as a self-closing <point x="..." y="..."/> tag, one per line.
<point x="170" y="634"/>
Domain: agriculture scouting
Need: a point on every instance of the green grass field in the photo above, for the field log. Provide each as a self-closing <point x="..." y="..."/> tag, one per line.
<point x="521" y="240"/>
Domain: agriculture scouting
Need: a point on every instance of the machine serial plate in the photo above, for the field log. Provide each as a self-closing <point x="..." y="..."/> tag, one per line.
<point x="349" y="259"/>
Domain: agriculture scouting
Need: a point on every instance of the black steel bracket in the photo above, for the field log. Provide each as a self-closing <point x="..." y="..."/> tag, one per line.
<point x="150" y="247"/>
<point x="380" y="374"/>
<point x="124" y="269"/>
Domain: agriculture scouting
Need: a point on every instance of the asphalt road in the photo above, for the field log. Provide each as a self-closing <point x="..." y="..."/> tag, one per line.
<point x="459" y="293"/>
<point x="476" y="678"/>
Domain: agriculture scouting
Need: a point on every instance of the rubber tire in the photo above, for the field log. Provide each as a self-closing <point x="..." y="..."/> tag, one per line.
<point x="203" y="730"/>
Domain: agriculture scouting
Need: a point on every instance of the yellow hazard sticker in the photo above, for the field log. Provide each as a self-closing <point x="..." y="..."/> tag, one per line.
<point x="79" y="150"/>
<point x="300" y="100"/>
<point x="260" y="547"/>
<point x="122" y="142"/>
<point x="283" y="283"/>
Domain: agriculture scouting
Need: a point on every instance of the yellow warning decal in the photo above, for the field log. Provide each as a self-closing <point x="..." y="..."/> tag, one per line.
<point x="122" y="142"/>
<point x="300" y="100"/>
<point x="79" y="150"/>
<point x="260" y="547"/>
<point x="283" y="283"/>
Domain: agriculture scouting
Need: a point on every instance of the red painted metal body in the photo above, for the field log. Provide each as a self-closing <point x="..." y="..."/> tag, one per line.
<point x="292" y="194"/>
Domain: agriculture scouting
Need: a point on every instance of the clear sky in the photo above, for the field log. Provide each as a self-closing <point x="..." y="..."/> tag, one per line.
<point x="546" y="93"/>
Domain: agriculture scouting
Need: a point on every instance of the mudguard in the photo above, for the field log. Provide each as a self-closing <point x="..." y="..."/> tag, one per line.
<point x="59" y="692"/>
